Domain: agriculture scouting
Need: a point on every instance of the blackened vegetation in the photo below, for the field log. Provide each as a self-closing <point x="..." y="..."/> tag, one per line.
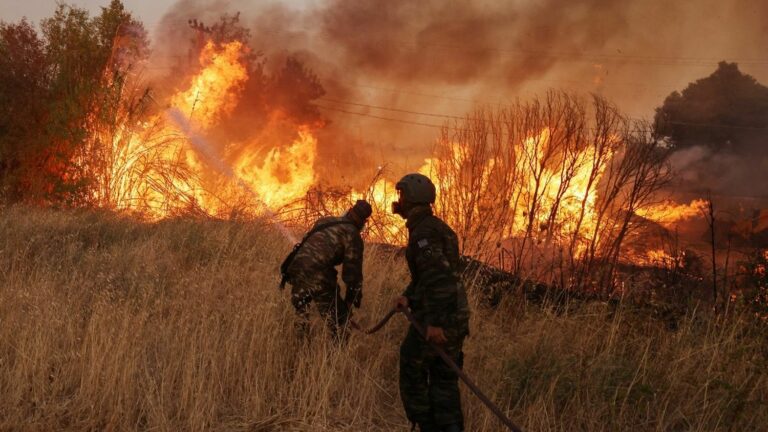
<point x="668" y="295"/>
<point x="670" y="291"/>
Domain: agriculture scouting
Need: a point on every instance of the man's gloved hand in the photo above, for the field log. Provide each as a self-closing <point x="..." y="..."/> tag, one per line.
<point x="354" y="297"/>
<point x="436" y="335"/>
<point x="401" y="303"/>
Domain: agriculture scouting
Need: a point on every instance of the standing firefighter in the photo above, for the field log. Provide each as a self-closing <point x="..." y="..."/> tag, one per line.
<point x="428" y="386"/>
<point x="311" y="267"/>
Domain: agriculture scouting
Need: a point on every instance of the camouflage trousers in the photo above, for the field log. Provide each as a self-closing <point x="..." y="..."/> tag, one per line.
<point x="328" y="301"/>
<point x="428" y="387"/>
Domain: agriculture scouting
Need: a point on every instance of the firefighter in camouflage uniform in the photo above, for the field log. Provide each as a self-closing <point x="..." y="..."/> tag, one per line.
<point x="428" y="387"/>
<point x="311" y="271"/>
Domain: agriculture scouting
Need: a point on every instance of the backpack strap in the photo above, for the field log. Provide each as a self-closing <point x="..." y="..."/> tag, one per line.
<point x="291" y="256"/>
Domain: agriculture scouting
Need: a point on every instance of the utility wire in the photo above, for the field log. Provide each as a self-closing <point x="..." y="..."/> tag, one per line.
<point x="416" y="123"/>
<point x="454" y="117"/>
<point x="379" y="117"/>
<point x="572" y="85"/>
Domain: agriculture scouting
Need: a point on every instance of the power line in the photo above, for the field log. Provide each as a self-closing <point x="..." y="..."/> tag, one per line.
<point x="408" y="92"/>
<point x="498" y="103"/>
<point x="436" y="126"/>
<point x="454" y="117"/>
<point x="394" y="109"/>
<point x="379" y="117"/>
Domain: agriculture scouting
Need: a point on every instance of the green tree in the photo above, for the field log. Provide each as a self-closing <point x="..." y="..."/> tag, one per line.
<point x="76" y="61"/>
<point x="59" y="90"/>
<point x="727" y="109"/>
<point x="23" y="111"/>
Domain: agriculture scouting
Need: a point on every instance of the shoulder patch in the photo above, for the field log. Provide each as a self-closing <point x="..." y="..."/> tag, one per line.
<point x="422" y="243"/>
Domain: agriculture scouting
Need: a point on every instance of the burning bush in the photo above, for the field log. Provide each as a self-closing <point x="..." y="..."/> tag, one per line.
<point x="552" y="184"/>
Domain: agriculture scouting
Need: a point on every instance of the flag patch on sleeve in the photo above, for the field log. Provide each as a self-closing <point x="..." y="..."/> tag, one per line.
<point x="422" y="243"/>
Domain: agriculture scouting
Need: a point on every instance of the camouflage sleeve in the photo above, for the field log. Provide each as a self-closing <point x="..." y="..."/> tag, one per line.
<point x="435" y="253"/>
<point x="451" y="244"/>
<point x="352" y="270"/>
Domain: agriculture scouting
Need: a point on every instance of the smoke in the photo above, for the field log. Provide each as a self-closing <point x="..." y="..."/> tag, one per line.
<point x="736" y="173"/>
<point x="459" y="42"/>
<point x="437" y="56"/>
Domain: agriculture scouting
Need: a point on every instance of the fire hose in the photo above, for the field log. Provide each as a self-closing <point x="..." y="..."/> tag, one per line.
<point x="446" y="358"/>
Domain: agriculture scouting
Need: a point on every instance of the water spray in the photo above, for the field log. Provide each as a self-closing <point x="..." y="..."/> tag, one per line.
<point x="201" y="144"/>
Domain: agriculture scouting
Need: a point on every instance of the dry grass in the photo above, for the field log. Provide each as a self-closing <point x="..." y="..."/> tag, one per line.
<point x="109" y="324"/>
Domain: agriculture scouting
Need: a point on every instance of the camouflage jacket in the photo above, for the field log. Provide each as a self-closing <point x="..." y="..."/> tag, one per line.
<point x="435" y="295"/>
<point x="315" y="263"/>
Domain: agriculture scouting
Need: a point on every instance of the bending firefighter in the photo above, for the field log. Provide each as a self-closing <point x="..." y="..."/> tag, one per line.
<point x="311" y="267"/>
<point x="428" y="386"/>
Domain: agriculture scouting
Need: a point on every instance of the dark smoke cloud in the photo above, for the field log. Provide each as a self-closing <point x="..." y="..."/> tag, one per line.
<point x="429" y="41"/>
<point x="738" y="173"/>
<point x="439" y="56"/>
<point x="458" y="42"/>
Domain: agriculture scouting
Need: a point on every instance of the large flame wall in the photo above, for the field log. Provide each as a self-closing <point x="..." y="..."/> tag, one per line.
<point x="156" y="172"/>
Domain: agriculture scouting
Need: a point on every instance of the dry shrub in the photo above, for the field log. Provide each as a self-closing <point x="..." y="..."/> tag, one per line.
<point x="109" y="324"/>
<point x="550" y="184"/>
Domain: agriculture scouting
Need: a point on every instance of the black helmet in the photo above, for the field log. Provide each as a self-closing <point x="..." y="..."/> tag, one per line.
<point x="416" y="189"/>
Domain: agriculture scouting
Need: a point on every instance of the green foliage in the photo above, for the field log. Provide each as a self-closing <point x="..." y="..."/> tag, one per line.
<point x="23" y="112"/>
<point x="57" y="88"/>
<point x="728" y="108"/>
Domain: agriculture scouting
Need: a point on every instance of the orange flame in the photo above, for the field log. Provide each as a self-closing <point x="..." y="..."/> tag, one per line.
<point x="156" y="171"/>
<point x="215" y="90"/>
<point x="669" y="213"/>
<point x="284" y="175"/>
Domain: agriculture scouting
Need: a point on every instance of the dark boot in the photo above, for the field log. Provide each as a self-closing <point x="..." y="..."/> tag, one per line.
<point x="425" y="426"/>
<point x="456" y="427"/>
<point x="428" y="427"/>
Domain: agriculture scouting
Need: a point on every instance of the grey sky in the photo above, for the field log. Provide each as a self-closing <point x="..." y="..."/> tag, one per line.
<point x="149" y="11"/>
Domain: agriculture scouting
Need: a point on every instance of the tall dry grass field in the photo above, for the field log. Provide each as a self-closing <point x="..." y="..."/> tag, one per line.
<point x="111" y="324"/>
